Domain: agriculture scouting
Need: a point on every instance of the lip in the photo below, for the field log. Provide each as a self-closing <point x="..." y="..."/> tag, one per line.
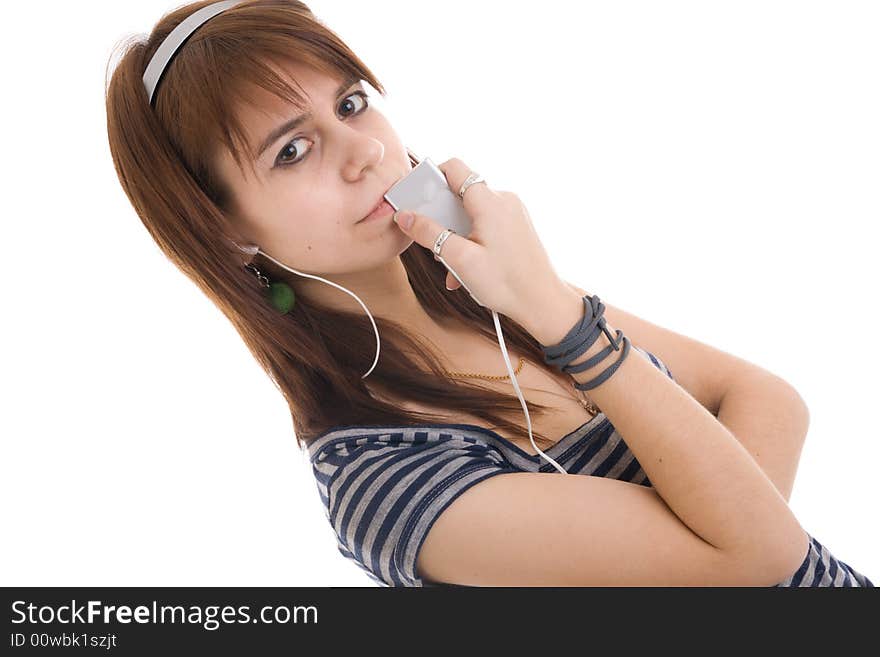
<point x="382" y="209"/>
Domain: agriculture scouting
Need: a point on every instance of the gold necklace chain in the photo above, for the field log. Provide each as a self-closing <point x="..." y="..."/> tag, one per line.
<point x="587" y="404"/>
<point x="462" y="375"/>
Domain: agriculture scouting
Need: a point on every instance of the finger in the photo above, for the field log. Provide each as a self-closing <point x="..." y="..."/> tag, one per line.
<point x="425" y="231"/>
<point x="452" y="282"/>
<point x="475" y="196"/>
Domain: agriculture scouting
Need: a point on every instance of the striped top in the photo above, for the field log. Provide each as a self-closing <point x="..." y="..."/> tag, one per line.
<point x="383" y="487"/>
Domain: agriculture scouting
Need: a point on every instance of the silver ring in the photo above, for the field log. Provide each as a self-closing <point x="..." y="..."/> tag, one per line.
<point x="470" y="180"/>
<point x="438" y="243"/>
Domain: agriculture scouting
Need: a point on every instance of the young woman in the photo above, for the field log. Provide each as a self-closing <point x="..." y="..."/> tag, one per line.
<point x="424" y="466"/>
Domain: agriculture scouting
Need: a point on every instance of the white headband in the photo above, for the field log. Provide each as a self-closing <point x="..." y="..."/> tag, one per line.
<point x="178" y="36"/>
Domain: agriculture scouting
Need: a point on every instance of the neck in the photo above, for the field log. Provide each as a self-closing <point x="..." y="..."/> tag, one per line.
<point x="385" y="290"/>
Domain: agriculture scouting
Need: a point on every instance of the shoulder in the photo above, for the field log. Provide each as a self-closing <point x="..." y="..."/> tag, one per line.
<point x="384" y="487"/>
<point x="359" y="440"/>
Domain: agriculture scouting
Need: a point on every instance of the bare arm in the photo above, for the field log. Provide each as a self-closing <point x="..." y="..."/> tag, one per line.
<point x="706" y="477"/>
<point x="770" y="419"/>
<point x="762" y="410"/>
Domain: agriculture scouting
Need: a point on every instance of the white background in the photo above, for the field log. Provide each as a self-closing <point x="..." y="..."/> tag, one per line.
<point x="712" y="167"/>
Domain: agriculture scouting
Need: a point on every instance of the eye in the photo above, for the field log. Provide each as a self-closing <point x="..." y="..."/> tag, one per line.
<point x="283" y="161"/>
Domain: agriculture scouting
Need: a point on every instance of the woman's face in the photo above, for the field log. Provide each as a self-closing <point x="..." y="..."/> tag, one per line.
<point x="314" y="182"/>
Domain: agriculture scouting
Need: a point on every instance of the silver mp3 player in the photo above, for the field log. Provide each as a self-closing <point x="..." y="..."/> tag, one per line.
<point x="425" y="190"/>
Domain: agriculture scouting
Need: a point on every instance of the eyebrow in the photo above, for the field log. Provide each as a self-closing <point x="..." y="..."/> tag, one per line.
<point x="293" y="123"/>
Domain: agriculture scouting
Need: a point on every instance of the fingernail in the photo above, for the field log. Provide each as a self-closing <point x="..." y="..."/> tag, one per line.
<point x="448" y="288"/>
<point x="404" y="219"/>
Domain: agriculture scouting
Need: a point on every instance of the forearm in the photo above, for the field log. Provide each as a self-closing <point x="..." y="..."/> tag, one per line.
<point x="769" y="418"/>
<point x="705" y="476"/>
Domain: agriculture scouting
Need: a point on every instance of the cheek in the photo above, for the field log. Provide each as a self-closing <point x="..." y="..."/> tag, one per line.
<point x="320" y="219"/>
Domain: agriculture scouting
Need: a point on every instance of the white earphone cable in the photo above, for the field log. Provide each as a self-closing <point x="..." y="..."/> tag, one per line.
<point x="498" y="331"/>
<point x="339" y="287"/>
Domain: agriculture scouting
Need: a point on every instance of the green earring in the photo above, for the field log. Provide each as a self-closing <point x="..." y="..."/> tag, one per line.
<point x="280" y="295"/>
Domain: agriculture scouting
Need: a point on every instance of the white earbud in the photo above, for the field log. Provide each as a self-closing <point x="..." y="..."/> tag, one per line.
<point x="251" y="250"/>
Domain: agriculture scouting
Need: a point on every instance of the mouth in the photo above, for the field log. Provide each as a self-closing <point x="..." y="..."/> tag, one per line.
<point x="382" y="209"/>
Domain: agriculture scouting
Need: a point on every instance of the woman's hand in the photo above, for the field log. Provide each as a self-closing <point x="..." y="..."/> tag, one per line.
<point x="502" y="262"/>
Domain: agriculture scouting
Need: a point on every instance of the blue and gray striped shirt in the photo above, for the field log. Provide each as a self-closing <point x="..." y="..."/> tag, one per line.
<point x="383" y="487"/>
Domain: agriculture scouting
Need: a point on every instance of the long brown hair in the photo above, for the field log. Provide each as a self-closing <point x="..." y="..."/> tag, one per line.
<point x="315" y="356"/>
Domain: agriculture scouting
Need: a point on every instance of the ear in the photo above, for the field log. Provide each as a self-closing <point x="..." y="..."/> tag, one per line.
<point x="247" y="251"/>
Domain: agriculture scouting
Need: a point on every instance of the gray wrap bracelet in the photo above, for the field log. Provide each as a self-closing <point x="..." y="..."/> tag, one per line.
<point x="579" y="340"/>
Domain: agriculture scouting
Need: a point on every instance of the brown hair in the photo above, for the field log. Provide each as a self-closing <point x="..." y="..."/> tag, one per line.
<point x="162" y="156"/>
